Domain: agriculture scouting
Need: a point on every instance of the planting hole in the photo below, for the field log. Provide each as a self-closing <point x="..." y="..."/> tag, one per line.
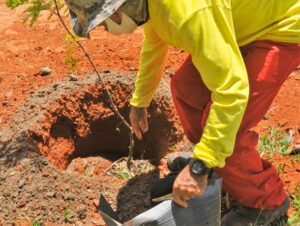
<point x="82" y="124"/>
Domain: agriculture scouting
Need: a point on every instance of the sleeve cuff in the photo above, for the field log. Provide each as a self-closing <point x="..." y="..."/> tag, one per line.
<point x="208" y="156"/>
<point x="138" y="104"/>
<point x="141" y="102"/>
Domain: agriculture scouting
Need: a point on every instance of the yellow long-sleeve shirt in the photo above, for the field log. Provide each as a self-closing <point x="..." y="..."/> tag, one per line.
<point x="212" y="31"/>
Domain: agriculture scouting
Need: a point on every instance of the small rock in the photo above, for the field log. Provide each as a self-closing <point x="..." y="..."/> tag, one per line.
<point x="21" y="204"/>
<point x="1" y="79"/>
<point x="50" y="194"/>
<point x="283" y="124"/>
<point x="73" y="77"/>
<point x="6" y="194"/>
<point x="96" y="202"/>
<point x="92" y="197"/>
<point x="68" y="196"/>
<point x="131" y="68"/>
<point x="266" y="117"/>
<point x="96" y="222"/>
<point x="166" y="71"/>
<point x="81" y="211"/>
<point x="21" y="183"/>
<point x="28" y="196"/>
<point x="106" y="71"/>
<point x="297" y="148"/>
<point x="41" y="94"/>
<point x="172" y="74"/>
<point x="45" y="71"/>
<point x="4" y="103"/>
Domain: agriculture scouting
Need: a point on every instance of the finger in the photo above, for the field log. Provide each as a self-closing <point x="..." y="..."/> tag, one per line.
<point x="143" y="125"/>
<point x="136" y="130"/>
<point x="187" y="197"/>
<point x="138" y="133"/>
<point x="179" y="201"/>
<point x="192" y="193"/>
<point x="186" y="193"/>
<point x="177" y="196"/>
<point x="198" y="192"/>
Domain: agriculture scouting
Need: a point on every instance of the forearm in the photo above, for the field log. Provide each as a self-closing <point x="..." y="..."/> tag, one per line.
<point x="218" y="139"/>
<point x="153" y="57"/>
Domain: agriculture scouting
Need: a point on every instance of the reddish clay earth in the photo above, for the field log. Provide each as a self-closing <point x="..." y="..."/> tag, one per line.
<point x="62" y="119"/>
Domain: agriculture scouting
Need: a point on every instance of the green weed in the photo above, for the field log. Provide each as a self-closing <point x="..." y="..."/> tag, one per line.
<point x="90" y="171"/>
<point x="147" y="168"/>
<point x="120" y="170"/>
<point x="295" y="218"/>
<point x="67" y="216"/>
<point x="295" y="158"/>
<point x="280" y="168"/>
<point x="172" y="148"/>
<point x="35" y="223"/>
<point x="32" y="223"/>
<point x="124" y="175"/>
<point x="274" y="141"/>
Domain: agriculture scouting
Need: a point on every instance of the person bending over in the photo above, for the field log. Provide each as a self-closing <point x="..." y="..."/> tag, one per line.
<point x="241" y="52"/>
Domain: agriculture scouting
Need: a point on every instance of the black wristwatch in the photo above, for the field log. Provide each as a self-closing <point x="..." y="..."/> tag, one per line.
<point x="197" y="167"/>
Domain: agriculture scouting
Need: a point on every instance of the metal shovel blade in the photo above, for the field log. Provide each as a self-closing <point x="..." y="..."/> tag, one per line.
<point x="107" y="213"/>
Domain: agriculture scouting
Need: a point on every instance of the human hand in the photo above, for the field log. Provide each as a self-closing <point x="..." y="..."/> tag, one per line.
<point x="138" y="120"/>
<point x="188" y="186"/>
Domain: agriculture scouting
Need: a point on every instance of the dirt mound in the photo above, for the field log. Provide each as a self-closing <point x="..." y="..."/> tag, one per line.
<point x="72" y="120"/>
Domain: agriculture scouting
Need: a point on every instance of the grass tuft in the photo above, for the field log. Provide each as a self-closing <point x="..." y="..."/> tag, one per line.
<point x="120" y="171"/>
<point x="295" y="218"/>
<point x="274" y="141"/>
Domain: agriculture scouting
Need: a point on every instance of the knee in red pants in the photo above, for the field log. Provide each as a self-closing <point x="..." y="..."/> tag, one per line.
<point x="183" y="82"/>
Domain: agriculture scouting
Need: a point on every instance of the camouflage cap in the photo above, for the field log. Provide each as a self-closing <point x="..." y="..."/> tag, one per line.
<point x="85" y="15"/>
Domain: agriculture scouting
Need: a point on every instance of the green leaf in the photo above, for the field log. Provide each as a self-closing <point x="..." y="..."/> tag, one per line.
<point x="172" y="148"/>
<point x="66" y="213"/>
<point x="15" y="3"/>
<point x="35" y="223"/>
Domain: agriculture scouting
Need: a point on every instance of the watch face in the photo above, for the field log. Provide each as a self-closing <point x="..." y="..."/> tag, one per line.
<point x="196" y="167"/>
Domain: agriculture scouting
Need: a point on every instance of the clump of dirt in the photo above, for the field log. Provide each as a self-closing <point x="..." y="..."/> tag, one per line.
<point x="59" y="152"/>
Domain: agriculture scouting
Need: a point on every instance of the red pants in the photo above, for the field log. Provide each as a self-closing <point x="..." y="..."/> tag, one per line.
<point x="252" y="181"/>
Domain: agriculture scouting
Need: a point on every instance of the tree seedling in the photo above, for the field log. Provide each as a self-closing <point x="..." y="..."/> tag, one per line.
<point x="53" y="6"/>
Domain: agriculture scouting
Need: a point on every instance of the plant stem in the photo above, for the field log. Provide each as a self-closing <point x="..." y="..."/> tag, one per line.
<point x="114" y="108"/>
